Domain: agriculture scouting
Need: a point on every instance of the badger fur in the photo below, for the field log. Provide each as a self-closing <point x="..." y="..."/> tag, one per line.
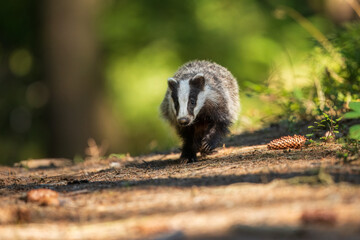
<point x="201" y="102"/>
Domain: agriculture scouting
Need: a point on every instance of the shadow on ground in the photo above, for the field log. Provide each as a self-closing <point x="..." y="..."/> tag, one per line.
<point x="310" y="176"/>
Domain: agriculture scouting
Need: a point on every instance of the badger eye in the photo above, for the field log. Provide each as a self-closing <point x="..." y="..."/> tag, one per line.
<point x="192" y="102"/>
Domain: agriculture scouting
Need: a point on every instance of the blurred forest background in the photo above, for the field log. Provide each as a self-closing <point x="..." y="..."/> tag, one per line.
<point x="74" y="70"/>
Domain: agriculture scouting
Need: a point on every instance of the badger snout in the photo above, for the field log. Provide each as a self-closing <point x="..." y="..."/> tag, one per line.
<point x="184" y="121"/>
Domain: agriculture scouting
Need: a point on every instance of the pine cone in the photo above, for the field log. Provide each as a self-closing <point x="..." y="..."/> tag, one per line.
<point x="296" y="141"/>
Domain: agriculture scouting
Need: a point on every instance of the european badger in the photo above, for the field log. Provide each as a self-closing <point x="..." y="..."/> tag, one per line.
<point x="201" y="101"/>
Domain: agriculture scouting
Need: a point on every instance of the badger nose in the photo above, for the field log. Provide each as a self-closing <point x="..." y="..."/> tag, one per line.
<point x="184" y="121"/>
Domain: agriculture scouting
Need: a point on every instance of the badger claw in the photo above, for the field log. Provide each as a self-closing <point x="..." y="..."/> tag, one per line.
<point x="192" y="160"/>
<point x="206" y="148"/>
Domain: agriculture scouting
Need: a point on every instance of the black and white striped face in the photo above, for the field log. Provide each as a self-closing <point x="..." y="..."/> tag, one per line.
<point x="187" y="98"/>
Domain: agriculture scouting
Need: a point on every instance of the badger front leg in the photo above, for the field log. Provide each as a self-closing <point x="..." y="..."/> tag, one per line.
<point x="213" y="137"/>
<point x="189" y="146"/>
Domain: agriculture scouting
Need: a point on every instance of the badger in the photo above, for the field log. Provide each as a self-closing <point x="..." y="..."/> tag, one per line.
<point x="201" y="102"/>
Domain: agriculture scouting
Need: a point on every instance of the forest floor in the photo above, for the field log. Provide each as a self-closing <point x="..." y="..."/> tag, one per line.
<point x="244" y="191"/>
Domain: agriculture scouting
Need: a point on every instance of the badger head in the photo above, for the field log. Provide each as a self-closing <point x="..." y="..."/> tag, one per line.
<point x="187" y="98"/>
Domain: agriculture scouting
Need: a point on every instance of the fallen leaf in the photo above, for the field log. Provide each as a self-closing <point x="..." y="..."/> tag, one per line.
<point x="45" y="197"/>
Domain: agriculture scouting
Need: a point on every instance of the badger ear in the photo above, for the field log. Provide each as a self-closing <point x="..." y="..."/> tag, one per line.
<point x="172" y="83"/>
<point x="198" y="81"/>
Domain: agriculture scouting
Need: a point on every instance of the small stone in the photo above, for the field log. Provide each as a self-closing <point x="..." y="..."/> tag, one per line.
<point x="115" y="165"/>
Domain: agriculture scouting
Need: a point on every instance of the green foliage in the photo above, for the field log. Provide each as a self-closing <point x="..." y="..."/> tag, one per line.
<point x="117" y="155"/>
<point x="350" y="151"/>
<point x="341" y="83"/>
<point x="355" y="107"/>
<point x="354" y="131"/>
<point x="78" y="159"/>
<point x="351" y="147"/>
<point x="326" y="124"/>
<point x="333" y="71"/>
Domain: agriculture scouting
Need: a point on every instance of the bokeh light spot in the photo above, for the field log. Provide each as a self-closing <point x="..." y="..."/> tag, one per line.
<point x="20" y="62"/>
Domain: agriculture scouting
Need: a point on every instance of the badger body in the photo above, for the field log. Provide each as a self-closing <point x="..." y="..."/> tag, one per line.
<point x="201" y="102"/>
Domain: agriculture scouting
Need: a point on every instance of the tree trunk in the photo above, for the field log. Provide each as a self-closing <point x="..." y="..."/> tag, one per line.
<point x="71" y="58"/>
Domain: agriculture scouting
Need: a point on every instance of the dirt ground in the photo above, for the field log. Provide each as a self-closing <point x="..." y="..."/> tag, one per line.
<point x="244" y="191"/>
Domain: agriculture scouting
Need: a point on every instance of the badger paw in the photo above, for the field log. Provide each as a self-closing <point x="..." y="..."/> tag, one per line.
<point x="191" y="158"/>
<point x="207" y="148"/>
